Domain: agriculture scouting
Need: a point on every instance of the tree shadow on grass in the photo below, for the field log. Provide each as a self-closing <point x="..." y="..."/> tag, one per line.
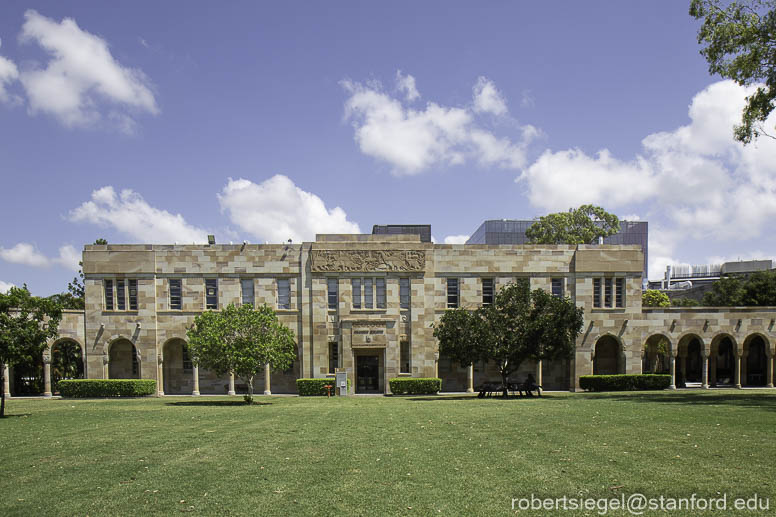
<point x="15" y="415"/>
<point x="704" y="398"/>
<point x="440" y="398"/>
<point x="217" y="403"/>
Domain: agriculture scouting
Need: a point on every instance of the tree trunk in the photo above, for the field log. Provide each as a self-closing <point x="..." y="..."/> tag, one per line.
<point x="505" y="388"/>
<point x="2" y="390"/>
<point x="250" y="390"/>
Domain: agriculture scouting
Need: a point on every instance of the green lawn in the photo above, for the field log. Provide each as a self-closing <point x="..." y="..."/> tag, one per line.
<point x="381" y="455"/>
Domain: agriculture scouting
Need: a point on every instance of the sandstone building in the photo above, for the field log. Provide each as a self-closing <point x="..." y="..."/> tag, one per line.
<point x="366" y="304"/>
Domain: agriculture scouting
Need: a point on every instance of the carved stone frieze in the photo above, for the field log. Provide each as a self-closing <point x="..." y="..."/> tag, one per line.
<point x="326" y="261"/>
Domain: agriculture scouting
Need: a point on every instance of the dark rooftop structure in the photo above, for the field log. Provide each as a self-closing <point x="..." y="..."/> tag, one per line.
<point x="424" y="230"/>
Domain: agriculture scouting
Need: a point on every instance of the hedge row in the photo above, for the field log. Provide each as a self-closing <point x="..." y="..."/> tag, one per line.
<point x="415" y="385"/>
<point x="97" y="388"/>
<point x="624" y="382"/>
<point x="314" y="387"/>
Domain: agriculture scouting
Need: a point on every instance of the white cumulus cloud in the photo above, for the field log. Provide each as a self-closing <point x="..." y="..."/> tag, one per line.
<point x="131" y="215"/>
<point x="9" y="73"/>
<point x="456" y="239"/>
<point x="5" y="286"/>
<point x="406" y="84"/>
<point x="27" y="254"/>
<point x="487" y="98"/>
<point x="276" y="210"/>
<point x="80" y="76"/>
<point x="414" y="140"/>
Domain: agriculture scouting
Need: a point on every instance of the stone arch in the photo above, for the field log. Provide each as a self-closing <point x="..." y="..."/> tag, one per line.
<point x="123" y="360"/>
<point x="607" y="355"/>
<point x="67" y="360"/>
<point x="722" y="359"/>
<point x="657" y="349"/>
<point x="754" y="364"/>
<point x="691" y="349"/>
<point x="177" y="367"/>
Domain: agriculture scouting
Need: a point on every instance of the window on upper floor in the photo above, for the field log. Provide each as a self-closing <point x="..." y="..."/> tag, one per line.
<point x="404" y="293"/>
<point x="284" y="293"/>
<point x="332" y="296"/>
<point x="211" y="293"/>
<point x="380" y="292"/>
<point x="452" y="293"/>
<point x="557" y="287"/>
<point x="333" y="357"/>
<point x="487" y="291"/>
<point x="368" y="294"/>
<point x="404" y="357"/>
<point x="609" y="292"/>
<point x="121" y="295"/>
<point x="355" y="284"/>
<point x="619" y="292"/>
<point x="596" y="292"/>
<point x="132" y="285"/>
<point x="246" y="286"/>
<point x="176" y="299"/>
<point x="108" y="288"/>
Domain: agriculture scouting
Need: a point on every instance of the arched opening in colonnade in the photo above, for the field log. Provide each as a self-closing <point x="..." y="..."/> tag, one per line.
<point x="67" y="362"/>
<point x="722" y="361"/>
<point x="123" y="362"/>
<point x="178" y="370"/>
<point x="690" y="356"/>
<point x="756" y="363"/>
<point x="606" y="358"/>
<point x="655" y="359"/>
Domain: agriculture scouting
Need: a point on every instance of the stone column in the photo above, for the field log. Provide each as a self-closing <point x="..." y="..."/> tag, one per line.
<point x="46" y="375"/>
<point x="769" y="368"/>
<point x="159" y="375"/>
<point x="705" y="370"/>
<point x="6" y="381"/>
<point x="231" y="384"/>
<point x="105" y="369"/>
<point x="195" y="374"/>
<point x="539" y="372"/>
<point x="470" y="379"/>
<point x="672" y="369"/>
<point x="737" y="370"/>
<point x="267" y="388"/>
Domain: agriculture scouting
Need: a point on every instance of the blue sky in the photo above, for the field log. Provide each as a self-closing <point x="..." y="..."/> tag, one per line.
<point x="259" y="121"/>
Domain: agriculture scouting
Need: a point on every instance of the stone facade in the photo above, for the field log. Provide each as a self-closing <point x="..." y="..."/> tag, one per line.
<point x="368" y="330"/>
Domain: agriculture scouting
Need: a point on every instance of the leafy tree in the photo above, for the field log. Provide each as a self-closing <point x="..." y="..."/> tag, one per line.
<point x="685" y="302"/>
<point x="760" y="289"/>
<point x="519" y="325"/>
<point x="725" y="292"/>
<point x="654" y="298"/>
<point x="67" y="301"/>
<point x="26" y="323"/>
<point x="740" y="44"/>
<point x="583" y="225"/>
<point x="241" y="341"/>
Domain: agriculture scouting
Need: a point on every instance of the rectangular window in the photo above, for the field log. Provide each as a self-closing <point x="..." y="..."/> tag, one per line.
<point x="284" y="293"/>
<point x="333" y="357"/>
<point x="176" y="302"/>
<point x="487" y="291"/>
<point x="356" y="284"/>
<point x="596" y="292"/>
<point x="121" y="295"/>
<point x="619" y="292"/>
<point x="452" y="293"/>
<point x="404" y="293"/>
<point x="332" y="295"/>
<point x="246" y="285"/>
<point x="108" y="285"/>
<point x="557" y="287"/>
<point x="132" y="294"/>
<point x="380" y="288"/>
<point x="404" y="359"/>
<point x="211" y="293"/>
<point x="608" y="292"/>
<point x="187" y="365"/>
<point x="368" y="294"/>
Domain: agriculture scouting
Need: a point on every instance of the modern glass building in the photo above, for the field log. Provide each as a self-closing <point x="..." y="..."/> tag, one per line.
<point x="512" y="231"/>
<point x="424" y="230"/>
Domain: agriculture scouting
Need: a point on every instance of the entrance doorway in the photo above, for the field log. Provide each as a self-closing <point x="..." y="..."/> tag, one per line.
<point x="367" y="371"/>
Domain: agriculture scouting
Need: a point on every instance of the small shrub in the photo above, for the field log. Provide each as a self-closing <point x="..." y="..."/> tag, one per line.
<point x="415" y="385"/>
<point x="98" y="388"/>
<point x="315" y="387"/>
<point x="624" y="382"/>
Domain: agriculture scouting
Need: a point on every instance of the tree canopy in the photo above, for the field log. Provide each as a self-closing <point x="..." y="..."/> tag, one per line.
<point x="583" y="225"/>
<point x="519" y="325"/>
<point x="654" y="298"/>
<point x="241" y="341"/>
<point x="739" y="41"/>
<point x="26" y="324"/>
<point x="759" y="289"/>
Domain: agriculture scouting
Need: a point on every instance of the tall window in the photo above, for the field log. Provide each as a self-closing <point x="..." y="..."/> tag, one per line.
<point x="452" y="293"/>
<point x="108" y="285"/>
<point x="284" y="293"/>
<point x="356" y="285"/>
<point x="332" y="295"/>
<point x="187" y="364"/>
<point x="121" y="295"/>
<point x="333" y="357"/>
<point x="404" y="293"/>
<point x="380" y="289"/>
<point x="211" y="293"/>
<point x="246" y="285"/>
<point x="176" y="302"/>
<point x="596" y="292"/>
<point x="557" y="287"/>
<point x="368" y="294"/>
<point x="608" y="292"/>
<point x="404" y="359"/>
<point x="132" y="294"/>
<point x="487" y="291"/>
<point x="619" y="292"/>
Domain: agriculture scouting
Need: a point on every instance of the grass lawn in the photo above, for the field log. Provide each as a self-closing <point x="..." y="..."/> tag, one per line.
<point x="443" y="455"/>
